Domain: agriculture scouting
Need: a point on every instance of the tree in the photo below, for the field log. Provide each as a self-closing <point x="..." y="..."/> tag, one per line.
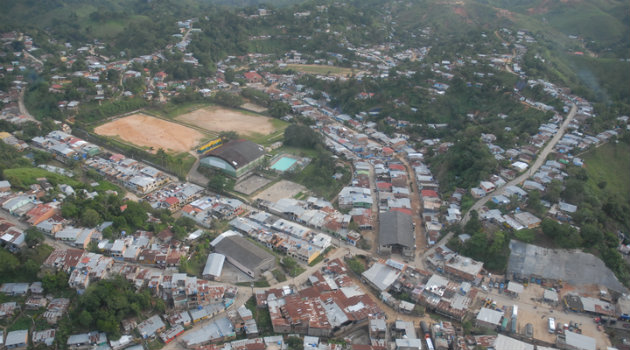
<point x="534" y="204"/>
<point x="33" y="237"/>
<point x="90" y="218"/>
<point x="85" y="317"/>
<point x="301" y="136"/>
<point x="55" y="282"/>
<point x="591" y="234"/>
<point x="228" y="136"/>
<point x="474" y="224"/>
<point x="553" y="191"/>
<point x="295" y="343"/>
<point x="279" y="109"/>
<point x="227" y="99"/>
<point x="8" y="263"/>
<point x="69" y="210"/>
<point x="218" y="183"/>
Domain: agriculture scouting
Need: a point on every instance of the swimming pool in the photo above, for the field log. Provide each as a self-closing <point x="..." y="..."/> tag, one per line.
<point x="283" y="164"/>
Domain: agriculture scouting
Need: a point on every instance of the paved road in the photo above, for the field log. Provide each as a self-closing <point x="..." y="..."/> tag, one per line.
<point x="194" y="175"/>
<point x="542" y="157"/>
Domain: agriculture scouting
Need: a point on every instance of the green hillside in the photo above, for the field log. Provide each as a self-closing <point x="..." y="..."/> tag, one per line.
<point x="602" y="24"/>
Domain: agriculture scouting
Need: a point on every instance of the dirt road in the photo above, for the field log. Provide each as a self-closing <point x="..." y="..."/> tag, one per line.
<point x="22" y="107"/>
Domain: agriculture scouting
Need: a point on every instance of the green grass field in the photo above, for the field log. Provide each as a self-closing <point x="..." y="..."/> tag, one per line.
<point x="610" y="164"/>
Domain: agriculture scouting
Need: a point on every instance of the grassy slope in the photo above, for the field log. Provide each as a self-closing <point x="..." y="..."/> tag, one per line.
<point x="609" y="163"/>
<point x="600" y="20"/>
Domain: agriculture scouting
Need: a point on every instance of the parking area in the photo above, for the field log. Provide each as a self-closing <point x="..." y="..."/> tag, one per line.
<point x="531" y="309"/>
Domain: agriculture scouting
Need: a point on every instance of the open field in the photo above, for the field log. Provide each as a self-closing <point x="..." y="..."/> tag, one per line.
<point x="605" y="164"/>
<point x="281" y="189"/>
<point x="321" y="69"/>
<point x="218" y="119"/>
<point x="149" y="132"/>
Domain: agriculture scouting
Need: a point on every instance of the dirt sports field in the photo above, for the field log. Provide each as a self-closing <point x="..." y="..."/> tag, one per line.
<point x="145" y="131"/>
<point x="219" y="119"/>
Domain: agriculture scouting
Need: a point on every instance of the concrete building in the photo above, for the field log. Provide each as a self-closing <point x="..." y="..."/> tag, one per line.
<point x="464" y="268"/>
<point x="235" y="158"/>
<point x="214" y="266"/>
<point x="380" y="276"/>
<point x="396" y="234"/>
<point x="575" y="341"/>
<point x="245" y="255"/>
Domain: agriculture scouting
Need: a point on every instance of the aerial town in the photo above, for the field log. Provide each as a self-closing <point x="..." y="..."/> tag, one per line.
<point x="150" y="202"/>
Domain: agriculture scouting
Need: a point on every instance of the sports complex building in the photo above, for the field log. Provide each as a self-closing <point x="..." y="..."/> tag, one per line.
<point x="235" y="158"/>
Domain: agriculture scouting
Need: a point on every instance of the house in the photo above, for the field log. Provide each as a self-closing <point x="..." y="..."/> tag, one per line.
<point x="5" y="186"/>
<point x="13" y="204"/>
<point x="78" y="341"/>
<point x="463" y="268"/>
<point x="51" y="226"/>
<point x="46" y="336"/>
<point x="12" y="238"/>
<point x="253" y="77"/>
<point x="151" y="326"/>
<point x="169" y="335"/>
<point x="487" y="186"/>
<point x="41" y="212"/>
<point x="527" y="219"/>
<point x="489" y="318"/>
<point x="17" y="339"/>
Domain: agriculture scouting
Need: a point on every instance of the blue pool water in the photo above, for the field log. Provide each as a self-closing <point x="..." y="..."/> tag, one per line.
<point x="283" y="164"/>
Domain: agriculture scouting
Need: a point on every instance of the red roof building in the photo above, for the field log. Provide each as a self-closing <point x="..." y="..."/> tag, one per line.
<point x="253" y="77"/>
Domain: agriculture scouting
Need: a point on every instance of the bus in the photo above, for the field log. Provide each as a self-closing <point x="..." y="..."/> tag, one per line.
<point x="552" y="325"/>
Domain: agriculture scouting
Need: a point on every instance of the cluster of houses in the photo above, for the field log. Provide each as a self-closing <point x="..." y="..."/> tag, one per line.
<point x="331" y="303"/>
<point x="174" y="195"/>
<point x="181" y="290"/>
<point x="205" y="209"/>
<point x="132" y="174"/>
<point x="451" y="298"/>
<point x="33" y="299"/>
<point x="154" y="327"/>
<point x="64" y="146"/>
<point x="281" y="235"/>
<point x="312" y="212"/>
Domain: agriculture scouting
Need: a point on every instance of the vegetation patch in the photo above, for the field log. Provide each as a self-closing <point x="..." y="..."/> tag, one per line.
<point x="23" y="177"/>
<point x="605" y="164"/>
